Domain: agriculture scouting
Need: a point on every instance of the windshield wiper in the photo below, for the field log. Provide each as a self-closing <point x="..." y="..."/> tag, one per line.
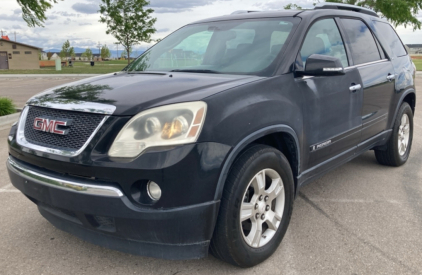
<point x="196" y="71"/>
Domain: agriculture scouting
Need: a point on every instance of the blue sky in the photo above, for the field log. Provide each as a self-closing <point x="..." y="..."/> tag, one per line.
<point x="78" y="20"/>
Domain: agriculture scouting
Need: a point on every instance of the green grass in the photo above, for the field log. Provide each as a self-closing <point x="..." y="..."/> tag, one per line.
<point x="6" y="107"/>
<point x="418" y="63"/>
<point x="79" y="67"/>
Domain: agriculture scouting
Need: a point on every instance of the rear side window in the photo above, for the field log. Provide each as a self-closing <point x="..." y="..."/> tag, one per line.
<point x="393" y="40"/>
<point x="361" y="41"/>
<point x="324" y="38"/>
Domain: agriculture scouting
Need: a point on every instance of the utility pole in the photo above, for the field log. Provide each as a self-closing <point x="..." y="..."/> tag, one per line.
<point x="2" y="32"/>
<point x="117" y="53"/>
<point x="15" y="36"/>
<point x="99" y="49"/>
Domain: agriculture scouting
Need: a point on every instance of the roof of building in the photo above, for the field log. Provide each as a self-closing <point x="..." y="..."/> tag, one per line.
<point x="5" y="37"/>
<point x="414" y="45"/>
<point x="18" y="43"/>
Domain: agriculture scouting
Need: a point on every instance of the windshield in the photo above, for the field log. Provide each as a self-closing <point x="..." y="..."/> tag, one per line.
<point x="236" y="47"/>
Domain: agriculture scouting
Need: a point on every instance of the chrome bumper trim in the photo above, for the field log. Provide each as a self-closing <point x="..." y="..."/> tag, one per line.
<point x="77" y="106"/>
<point x="81" y="186"/>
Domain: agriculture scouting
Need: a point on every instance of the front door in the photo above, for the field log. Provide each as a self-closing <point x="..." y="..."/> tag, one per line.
<point x="4" y="62"/>
<point x="332" y="104"/>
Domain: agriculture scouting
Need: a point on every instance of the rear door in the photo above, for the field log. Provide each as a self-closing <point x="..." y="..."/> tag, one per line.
<point x="4" y="63"/>
<point x="332" y="111"/>
<point x="377" y="74"/>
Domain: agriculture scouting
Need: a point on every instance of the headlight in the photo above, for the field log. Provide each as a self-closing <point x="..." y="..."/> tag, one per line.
<point x="163" y="126"/>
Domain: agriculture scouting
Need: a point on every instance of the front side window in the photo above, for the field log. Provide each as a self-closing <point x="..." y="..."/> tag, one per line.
<point x="324" y="38"/>
<point x="362" y="44"/>
<point x="393" y="40"/>
<point x="237" y="46"/>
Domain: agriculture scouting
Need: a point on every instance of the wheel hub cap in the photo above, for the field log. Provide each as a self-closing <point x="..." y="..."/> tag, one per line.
<point x="262" y="208"/>
<point x="404" y="135"/>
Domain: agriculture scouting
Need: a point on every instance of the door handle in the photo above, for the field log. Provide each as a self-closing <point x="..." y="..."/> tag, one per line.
<point x="355" y="88"/>
<point x="391" y="77"/>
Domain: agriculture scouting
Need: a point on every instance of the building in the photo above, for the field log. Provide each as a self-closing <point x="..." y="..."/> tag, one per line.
<point x="18" y="56"/>
<point x="79" y="57"/>
<point x="415" y="48"/>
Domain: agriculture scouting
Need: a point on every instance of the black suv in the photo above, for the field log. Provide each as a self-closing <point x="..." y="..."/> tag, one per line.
<point x="203" y="142"/>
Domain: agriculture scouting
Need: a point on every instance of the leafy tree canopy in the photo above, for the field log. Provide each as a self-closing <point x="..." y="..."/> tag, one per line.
<point x="33" y="11"/>
<point x="105" y="52"/>
<point x="129" y="21"/>
<point x="88" y="54"/>
<point x="398" y="12"/>
<point x="67" y="50"/>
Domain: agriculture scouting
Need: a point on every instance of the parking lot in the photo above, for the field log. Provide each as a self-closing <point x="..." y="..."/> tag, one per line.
<point x="362" y="218"/>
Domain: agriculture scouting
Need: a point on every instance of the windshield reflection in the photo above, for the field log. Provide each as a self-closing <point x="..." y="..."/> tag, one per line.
<point x="72" y="95"/>
<point x="237" y="46"/>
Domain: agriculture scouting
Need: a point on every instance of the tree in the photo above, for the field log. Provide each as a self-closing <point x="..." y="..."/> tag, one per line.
<point x="125" y="55"/>
<point x="128" y="21"/>
<point x="398" y="12"/>
<point x="72" y="53"/>
<point x="88" y="54"/>
<point x="105" y="52"/>
<point x="67" y="50"/>
<point x="293" y="7"/>
<point x="49" y="55"/>
<point x="33" y="11"/>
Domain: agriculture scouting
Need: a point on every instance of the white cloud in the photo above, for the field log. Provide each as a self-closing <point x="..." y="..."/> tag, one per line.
<point x="86" y="31"/>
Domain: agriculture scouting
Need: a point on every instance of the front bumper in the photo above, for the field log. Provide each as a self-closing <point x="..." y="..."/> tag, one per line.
<point x="103" y="214"/>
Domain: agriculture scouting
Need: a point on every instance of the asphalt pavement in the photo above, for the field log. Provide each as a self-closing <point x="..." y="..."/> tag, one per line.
<point x="362" y="218"/>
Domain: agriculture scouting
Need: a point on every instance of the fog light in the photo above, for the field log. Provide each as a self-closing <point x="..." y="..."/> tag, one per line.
<point x="154" y="191"/>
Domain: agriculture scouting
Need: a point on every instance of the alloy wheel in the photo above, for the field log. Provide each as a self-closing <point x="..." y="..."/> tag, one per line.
<point x="404" y="135"/>
<point x="262" y="208"/>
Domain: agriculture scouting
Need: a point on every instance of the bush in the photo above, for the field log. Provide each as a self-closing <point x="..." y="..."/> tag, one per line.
<point x="6" y="107"/>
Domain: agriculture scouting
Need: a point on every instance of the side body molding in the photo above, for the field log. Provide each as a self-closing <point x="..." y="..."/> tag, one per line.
<point x="245" y="142"/>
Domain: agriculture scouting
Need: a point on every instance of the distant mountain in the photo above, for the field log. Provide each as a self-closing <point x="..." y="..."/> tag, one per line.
<point x="113" y="51"/>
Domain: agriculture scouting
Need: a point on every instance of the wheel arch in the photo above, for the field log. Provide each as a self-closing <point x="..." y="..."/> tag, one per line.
<point x="281" y="137"/>
<point x="408" y="96"/>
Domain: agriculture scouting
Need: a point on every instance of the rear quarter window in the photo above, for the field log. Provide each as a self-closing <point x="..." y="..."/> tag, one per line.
<point x="391" y="37"/>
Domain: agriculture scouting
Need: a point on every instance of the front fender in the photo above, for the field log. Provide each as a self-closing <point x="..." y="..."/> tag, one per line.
<point x="234" y="153"/>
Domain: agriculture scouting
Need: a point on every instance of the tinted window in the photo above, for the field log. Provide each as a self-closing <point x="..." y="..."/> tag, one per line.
<point x="236" y="46"/>
<point x="362" y="43"/>
<point x="324" y="38"/>
<point x="387" y="31"/>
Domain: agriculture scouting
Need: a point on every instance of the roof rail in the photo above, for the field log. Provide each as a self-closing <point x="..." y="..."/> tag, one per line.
<point x="336" y="6"/>
<point x="243" y="11"/>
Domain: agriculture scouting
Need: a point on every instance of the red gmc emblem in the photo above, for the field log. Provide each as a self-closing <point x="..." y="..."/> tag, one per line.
<point x="51" y="125"/>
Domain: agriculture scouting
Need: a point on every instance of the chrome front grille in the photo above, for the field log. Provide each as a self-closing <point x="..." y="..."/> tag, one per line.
<point x="81" y="130"/>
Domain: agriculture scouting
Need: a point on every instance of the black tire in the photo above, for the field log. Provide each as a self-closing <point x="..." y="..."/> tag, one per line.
<point x="390" y="156"/>
<point x="228" y="243"/>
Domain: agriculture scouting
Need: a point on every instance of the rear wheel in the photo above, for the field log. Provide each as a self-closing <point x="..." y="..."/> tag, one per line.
<point x="400" y="143"/>
<point x="255" y="209"/>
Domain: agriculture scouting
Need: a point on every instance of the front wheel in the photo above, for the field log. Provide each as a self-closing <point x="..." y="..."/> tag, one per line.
<point x="255" y="208"/>
<point x="400" y="143"/>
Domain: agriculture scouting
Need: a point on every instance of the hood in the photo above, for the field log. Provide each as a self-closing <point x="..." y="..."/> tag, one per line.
<point x="133" y="93"/>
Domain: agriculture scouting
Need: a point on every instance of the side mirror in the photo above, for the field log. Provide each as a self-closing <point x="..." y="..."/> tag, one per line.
<point x="322" y="65"/>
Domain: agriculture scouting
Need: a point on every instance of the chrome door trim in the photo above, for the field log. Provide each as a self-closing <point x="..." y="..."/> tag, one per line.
<point x="81" y="186"/>
<point x="77" y="106"/>
<point x="391" y="77"/>
<point x="30" y="148"/>
<point x="366" y="64"/>
<point x="355" y="88"/>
